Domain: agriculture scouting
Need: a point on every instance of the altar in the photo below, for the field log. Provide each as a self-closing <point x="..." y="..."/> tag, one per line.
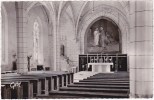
<point x="103" y="62"/>
<point x="100" y="67"/>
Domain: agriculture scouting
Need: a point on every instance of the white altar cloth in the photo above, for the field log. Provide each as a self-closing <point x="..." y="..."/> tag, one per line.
<point x="100" y="67"/>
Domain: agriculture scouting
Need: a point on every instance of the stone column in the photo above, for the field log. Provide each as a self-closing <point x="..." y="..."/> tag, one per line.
<point x="140" y="52"/>
<point x="21" y="38"/>
<point x="57" y="53"/>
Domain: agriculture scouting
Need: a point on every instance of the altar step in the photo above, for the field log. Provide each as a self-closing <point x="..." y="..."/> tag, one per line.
<point x="83" y="75"/>
<point x="105" y="81"/>
<point x="119" y="75"/>
<point x="101" y="79"/>
<point x="80" y="94"/>
<point x="108" y="90"/>
<point x="101" y="85"/>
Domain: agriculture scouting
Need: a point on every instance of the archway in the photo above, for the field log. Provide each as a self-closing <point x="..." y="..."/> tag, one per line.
<point x="118" y="20"/>
<point x="108" y="12"/>
<point x="108" y="37"/>
<point x="51" y="13"/>
<point x="39" y="37"/>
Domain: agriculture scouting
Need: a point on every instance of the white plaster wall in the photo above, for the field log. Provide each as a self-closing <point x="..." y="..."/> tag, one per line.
<point x="77" y="6"/>
<point x="68" y="39"/>
<point x="12" y="35"/>
<point x="44" y="54"/>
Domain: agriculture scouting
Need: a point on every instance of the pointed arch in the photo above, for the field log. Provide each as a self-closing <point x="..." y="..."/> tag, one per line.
<point x="49" y="7"/>
<point x="115" y="15"/>
<point x="60" y="10"/>
<point x="50" y="31"/>
<point x="83" y="7"/>
<point x="78" y="18"/>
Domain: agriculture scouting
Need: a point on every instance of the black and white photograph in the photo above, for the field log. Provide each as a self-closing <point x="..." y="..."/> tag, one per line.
<point x="91" y="49"/>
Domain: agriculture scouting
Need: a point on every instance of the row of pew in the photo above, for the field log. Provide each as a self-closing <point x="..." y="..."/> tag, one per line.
<point x="33" y="84"/>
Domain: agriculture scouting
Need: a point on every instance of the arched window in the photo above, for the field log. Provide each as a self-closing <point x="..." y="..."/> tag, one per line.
<point x="36" y="35"/>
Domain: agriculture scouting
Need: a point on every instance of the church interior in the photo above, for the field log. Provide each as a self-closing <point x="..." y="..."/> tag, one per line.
<point x="76" y="49"/>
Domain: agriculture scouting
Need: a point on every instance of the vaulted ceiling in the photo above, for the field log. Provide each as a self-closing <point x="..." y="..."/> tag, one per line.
<point x="79" y="8"/>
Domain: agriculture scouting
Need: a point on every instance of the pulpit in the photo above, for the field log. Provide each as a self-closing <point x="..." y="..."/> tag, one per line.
<point x="100" y="67"/>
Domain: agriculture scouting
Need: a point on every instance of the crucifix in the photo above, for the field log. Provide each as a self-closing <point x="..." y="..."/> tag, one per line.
<point x="28" y="59"/>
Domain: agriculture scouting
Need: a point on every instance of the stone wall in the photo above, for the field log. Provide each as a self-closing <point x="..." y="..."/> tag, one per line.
<point x="140" y="52"/>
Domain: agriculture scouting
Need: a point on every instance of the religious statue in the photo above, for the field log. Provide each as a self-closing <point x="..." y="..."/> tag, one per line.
<point x="14" y="63"/>
<point x="103" y="37"/>
<point x="96" y="37"/>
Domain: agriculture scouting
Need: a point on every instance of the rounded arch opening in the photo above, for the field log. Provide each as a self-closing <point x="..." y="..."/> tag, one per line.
<point x="103" y="41"/>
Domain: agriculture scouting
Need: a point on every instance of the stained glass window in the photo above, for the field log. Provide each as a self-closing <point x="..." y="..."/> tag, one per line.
<point x="36" y="33"/>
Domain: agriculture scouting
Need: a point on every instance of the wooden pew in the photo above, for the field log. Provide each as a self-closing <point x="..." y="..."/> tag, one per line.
<point x="60" y="78"/>
<point x="38" y="84"/>
<point x="18" y="92"/>
<point x="8" y="82"/>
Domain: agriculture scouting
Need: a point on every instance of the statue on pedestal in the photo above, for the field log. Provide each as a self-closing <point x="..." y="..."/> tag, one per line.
<point x="14" y="63"/>
<point x="28" y="59"/>
<point x="103" y="37"/>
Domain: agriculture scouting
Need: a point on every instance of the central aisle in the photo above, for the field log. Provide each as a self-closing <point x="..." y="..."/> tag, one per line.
<point x="95" y="85"/>
<point x="83" y="75"/>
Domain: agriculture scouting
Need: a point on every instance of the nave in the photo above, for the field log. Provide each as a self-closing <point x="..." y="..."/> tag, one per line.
<point x="77" y="49"/>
